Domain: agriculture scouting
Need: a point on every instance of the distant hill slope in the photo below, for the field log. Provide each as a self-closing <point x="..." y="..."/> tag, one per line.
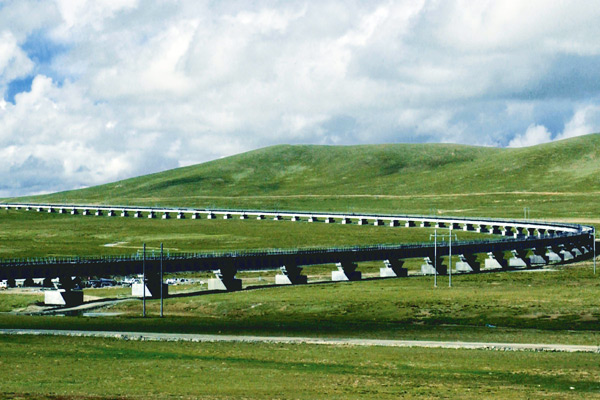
<point x="571" y="165"/>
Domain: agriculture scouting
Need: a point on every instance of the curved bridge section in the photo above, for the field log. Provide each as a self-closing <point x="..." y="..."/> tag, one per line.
<point x="527" y="244"/>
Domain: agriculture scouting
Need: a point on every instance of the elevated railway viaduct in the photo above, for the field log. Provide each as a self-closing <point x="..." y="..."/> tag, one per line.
<point x="529" y="243"/>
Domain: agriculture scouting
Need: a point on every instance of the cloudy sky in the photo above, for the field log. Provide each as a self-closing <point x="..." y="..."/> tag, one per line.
<point x="95" y="91"/>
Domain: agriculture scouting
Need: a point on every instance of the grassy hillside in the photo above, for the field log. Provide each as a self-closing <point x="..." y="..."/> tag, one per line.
<point x="452" y="179"/>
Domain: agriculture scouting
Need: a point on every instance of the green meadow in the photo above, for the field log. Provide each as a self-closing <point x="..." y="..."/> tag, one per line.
<point x="557" y="304"/>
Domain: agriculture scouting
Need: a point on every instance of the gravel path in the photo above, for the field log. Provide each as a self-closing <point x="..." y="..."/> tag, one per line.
<point x="175" y="337"/>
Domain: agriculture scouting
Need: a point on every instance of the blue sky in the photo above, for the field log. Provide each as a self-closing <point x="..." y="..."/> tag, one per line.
<point x="95" y="91"/>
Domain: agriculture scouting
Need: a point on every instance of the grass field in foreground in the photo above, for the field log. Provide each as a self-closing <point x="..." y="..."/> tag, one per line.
<point x="555" y="306"/>
<point x="86" y="368"/>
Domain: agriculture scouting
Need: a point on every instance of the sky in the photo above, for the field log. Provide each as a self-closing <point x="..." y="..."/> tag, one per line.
<point x="100" y="90"/>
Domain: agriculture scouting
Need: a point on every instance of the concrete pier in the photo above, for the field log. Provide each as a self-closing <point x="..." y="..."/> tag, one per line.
<point x="260" y="217"/>
<point x="110" y="213"/>
<point x="290" y="275"/>
<point x="151" y="215"/>
<point x="243" y="216"/>
<point x="225" y="280"/>
<point x="137" y="214"/>
<point x="394" y="222"/>
<point x="295" y="218"/>
<point x="496" y="260"/>
<point x="409" y="224"/>
<point x="468" y="227"/>
<point x="226" y="216"/>
<point x="196" y="215"/>
<point x="467" y="263"/>
<point x="210" y="216"/>
<point x="519" y="259"/>
<point x="124" y="213"/>
<point x="329" y="220"/>
<point x="180" y="215"/>
<point x="429" y="268"/>
<point x="378" y="222"/>
<point x="393" y="268"/>
<point x="346" y="221"/>
<point x="346" y="271"/>
<point x="312" y="218"/>
<point x="98" y="213"/>
<point x="166" y="215"/>
<point x="63" y="297"/>
<point x="277" y="218"/>
<point x="425" y="224"/>
<point x="363" y="221"/>
<point x="85" y="212"/>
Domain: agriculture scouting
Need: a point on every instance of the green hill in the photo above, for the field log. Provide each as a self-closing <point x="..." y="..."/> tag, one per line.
<point x="449" y="178"/>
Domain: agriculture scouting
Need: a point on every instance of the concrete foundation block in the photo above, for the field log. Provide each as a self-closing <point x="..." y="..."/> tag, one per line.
<point x="553" y="257"/>
<point x="516" y="262"/>
<point x="62" y="297"/>
<point x="338" y="276"/>
<point x="427" y="269"/>
<point x="151" y="292"/>
<point x="566" y="255"/>
<point x="536" y="260"/>
<point x="462" y="266"/>
<point x="282" y="279"/>
<point x="385" y="272"/>
<point x="230" y="286"/>
<point x="492" y="263"/>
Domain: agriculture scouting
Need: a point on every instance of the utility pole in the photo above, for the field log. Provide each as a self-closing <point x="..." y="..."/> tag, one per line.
<point x="594" y="250"/>
<point x="450" y="256"/>
<point x="161" y="280"/>
<point x="434" y="257"/>
<point x="144" y="282"/>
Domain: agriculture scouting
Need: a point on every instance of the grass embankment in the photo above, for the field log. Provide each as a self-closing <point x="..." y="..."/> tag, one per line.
<point x="555" y="180"/>
<point x="33" y="234"/>
<point x="85" y="368"/>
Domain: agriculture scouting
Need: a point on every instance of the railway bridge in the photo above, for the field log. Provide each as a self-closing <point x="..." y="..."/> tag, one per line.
<point x="527" y="244"/>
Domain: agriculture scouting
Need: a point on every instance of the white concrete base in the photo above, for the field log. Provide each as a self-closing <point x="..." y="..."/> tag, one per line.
<point x="217" y="284"/>
<point x="282" y="279"/>
<point x="385" y="272"/>
<point x="576" y="252"/>
<point x="492" y="263"/>
<point x="62" y="297"/>
<point x="537" y="260"/>
<point x="427" y="269"/>
<point x="137" y="291"/>
<point x="338" y="276"/>
<point x="566" y="255"/>
<point x="462" y="266"/>
<point x="553" y="257"/>
<point x="516" y="262"/>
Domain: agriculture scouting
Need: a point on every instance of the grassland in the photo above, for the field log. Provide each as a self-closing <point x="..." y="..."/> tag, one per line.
<point x="32" y="234"/>
<point x="555" y="180"/>
<point x="84" y="368"/>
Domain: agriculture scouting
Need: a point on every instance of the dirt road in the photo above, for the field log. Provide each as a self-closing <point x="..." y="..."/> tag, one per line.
<point x="173" y="337"/>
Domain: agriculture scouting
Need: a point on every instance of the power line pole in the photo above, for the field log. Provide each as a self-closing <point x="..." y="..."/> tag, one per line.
<point x="161" y="280"/>
<point x="144" y="282"/>
<point x="594" y="250"/>
<point x="450" y="256"/>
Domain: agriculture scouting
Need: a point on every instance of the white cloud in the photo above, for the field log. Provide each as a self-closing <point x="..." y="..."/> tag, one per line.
<point x="535" y="134"/>
<point x="142" y="86"/>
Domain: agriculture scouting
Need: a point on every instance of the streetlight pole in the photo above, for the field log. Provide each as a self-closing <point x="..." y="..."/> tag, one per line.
<point x="434" y="258"/>
<point x="161" y="280"/>
<point x="144" y="282"/>
<point x="450" y="256"/>
<point x="594" y="250"/>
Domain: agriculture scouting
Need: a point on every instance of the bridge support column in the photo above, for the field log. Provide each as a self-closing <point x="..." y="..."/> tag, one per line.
<point x="496" y="260"/>
<point x="553" y="258"/>
<point x="312" y="218"/>
<point x="393" y="268"/>
<point x="329" y="220"/>
<point x="124" y="213"/>
<point x="210" y="216"/>
<point x="346" y="220"/>
<point x="428" y="267"/>
<point x="468" y="227"/>
<point x="296" y="218"/>
<point x="196" y="215"/>
<point x="151" y="215"/>
<point x="290" y="275"/>
<point x="363" y="221"/>
<point x="166" y="215"/>
<point x="507" y="231"/>
<point x="110" y="213"/>
<point x="409" y="224"/>
<point x="519" y="259"/>
<point x="85" y="212"/>
<point x="279" y="218"/>
<point x="538" y="257"/>
<point x="467" y="263"/>
<point x="394" y="222"/>
<point x="564" y="254"/>
<point x="152" y="287"/>
<point x="225" y="280"/>
<point x="180" y="215"/>
<point x="74" y="211"/>
<point x="243" y="216"/>
<point x="98" y="213"/>
<point x="425" y="224"/>
<point x="137" y="214"/>
<point x="346" y="271"/>
<point x="63" y="293"/>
